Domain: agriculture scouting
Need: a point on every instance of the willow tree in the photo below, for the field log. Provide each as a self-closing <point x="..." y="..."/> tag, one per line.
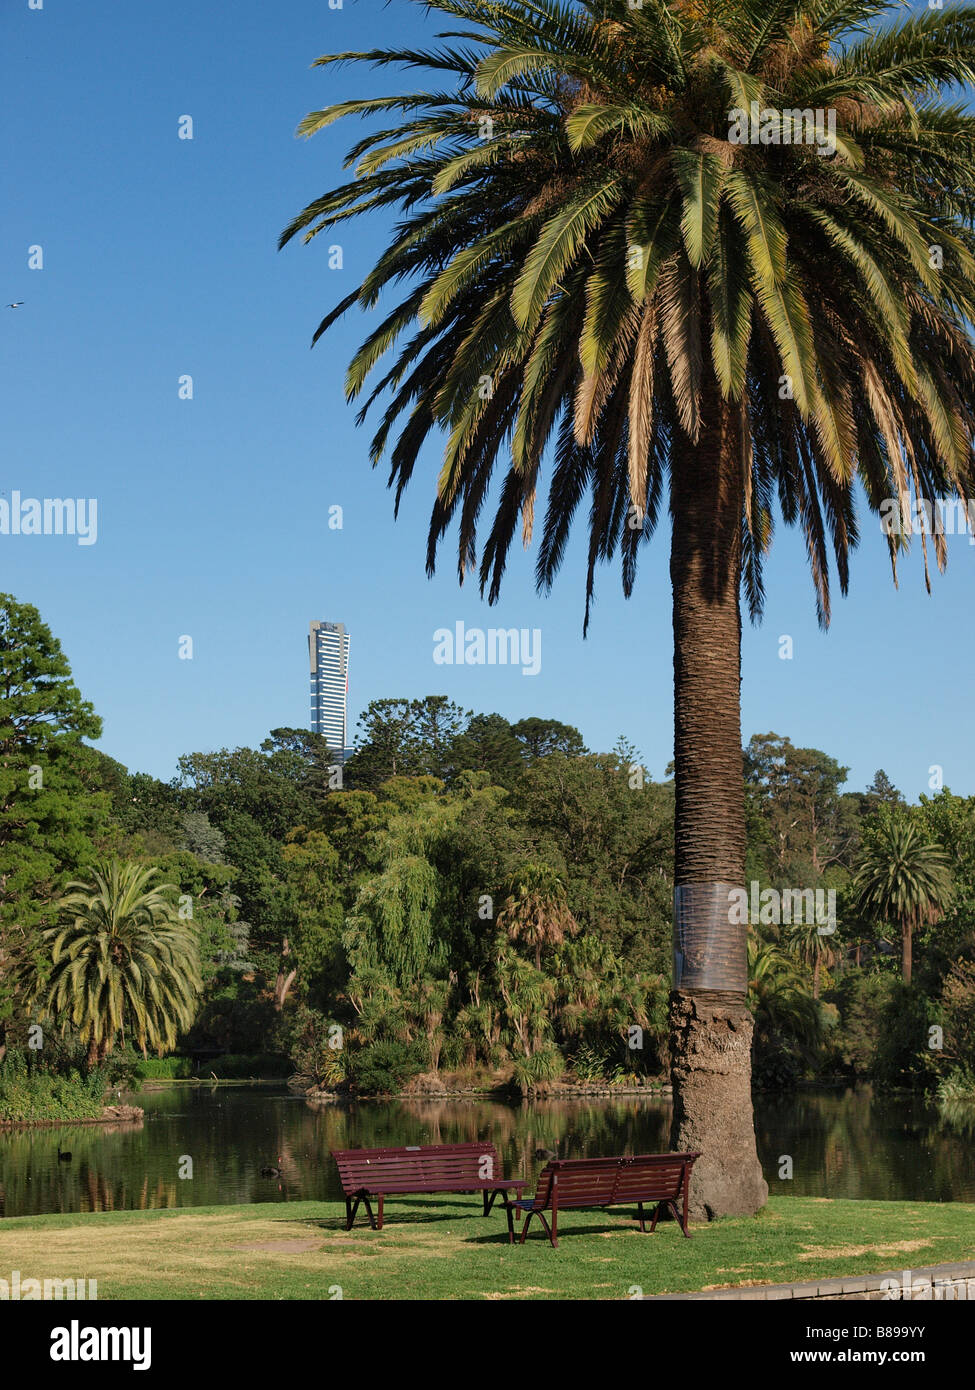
<point x="711" y="257"/>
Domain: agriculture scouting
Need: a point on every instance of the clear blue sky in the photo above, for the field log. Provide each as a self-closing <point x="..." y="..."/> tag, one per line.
<point x="160" y="260"/>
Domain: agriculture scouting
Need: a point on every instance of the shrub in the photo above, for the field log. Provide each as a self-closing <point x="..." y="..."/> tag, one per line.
<point x="382" y="1067"/>
<point x="164" y="1068"/>
<point x="30" y="1092"/>
<point x="861" y="997"/>
<point x="589" y="1064"/>
<point x="903" y="1056"/>
<point x="529" y="1073"/>
<point x="957" y="1085"/>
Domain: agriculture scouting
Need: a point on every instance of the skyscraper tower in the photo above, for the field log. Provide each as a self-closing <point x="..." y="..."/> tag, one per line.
<point x="328" y="651"/>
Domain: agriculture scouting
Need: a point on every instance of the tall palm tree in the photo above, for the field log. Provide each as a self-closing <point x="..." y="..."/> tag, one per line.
<point x="902" y="877"/>
<point x="597" y="270"/>
<point x="536" y="910"/>
<point x="123" y="960"/>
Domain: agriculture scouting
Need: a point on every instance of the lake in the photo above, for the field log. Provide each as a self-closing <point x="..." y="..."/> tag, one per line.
<point x="848" y="1143"/>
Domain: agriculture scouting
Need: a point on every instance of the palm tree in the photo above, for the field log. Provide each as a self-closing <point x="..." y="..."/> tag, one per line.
<point x="597" y="271"/>
<point x="902" y="877"/>
<point x="527" y="995"/>
<point x="536" y="910"/>
<point x="782" y="1006"/>
<point x="814" y="948"/>
<point x="124" y="960"/>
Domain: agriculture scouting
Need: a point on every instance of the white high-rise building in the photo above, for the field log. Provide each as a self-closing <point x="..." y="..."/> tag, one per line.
<point x="328" y="651"/>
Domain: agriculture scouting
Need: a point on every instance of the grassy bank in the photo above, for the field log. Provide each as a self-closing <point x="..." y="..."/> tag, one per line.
<point x="43" y="1097"/>
<point x="441" y="1248"/>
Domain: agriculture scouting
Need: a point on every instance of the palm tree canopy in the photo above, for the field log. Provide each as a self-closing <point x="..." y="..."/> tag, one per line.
<point x="123" y="958"/>
<point x="591" y="256"/>
<point x="536" y="909"/>
<point x="903" y="876"/>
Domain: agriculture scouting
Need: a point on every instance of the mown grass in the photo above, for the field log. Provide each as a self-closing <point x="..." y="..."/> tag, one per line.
<point x="442" y="1248"/>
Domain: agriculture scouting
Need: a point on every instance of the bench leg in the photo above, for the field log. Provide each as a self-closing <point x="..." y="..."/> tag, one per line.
<point x="550" y="1231"/>
<point x="368" y="1206"/>
<point x="488" y="1201"/>
<point x="639" y="1212"/>
<point x="350" y="1212"/>
<point x="681" y="1220"/>
<point x="380" y="1213"/>
<point x="511" y="1220"/>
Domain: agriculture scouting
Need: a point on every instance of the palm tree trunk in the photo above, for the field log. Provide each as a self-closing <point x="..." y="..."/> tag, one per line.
<point x="907" y="953"/>
<point x="816" y="966"/>
<point x="710" y="1025"/>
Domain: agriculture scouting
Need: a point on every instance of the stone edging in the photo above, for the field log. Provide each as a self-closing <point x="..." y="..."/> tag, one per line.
<point x="937" y="1282"/>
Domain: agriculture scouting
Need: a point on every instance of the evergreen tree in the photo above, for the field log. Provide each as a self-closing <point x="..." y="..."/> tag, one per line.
<point x="49" y="816"/>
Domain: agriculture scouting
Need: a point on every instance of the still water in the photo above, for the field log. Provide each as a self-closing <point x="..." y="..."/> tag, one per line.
<point x="842" y="1144"/>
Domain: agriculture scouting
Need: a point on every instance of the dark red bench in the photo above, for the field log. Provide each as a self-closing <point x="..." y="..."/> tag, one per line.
<point x="608" y="1182"/>
<point x="380" y="1173"/>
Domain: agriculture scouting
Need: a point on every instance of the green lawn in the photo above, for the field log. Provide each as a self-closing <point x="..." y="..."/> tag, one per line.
<point x="441" y="1247"/>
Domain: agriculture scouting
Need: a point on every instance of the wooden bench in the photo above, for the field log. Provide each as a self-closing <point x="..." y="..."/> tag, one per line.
<point x="608" y="1182"/>
<point x="380" y="1173"/>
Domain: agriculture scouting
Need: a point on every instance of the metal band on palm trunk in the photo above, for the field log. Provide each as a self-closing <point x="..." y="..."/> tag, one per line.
<point x="710" y="951"/>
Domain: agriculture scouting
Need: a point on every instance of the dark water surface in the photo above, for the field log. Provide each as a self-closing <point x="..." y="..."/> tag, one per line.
<point x="842" y="1144"/>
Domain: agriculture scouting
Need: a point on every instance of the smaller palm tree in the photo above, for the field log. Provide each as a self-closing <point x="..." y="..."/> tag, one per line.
<point x="536" y="910"/>
<point x="903" y="877"/>
<point x="814" y="948"/>
<point x="123" y="960"/>
<point x="778" y="998"/>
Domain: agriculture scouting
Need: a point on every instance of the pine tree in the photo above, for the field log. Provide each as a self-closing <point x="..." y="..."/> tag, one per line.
<point x="49" y="815"/>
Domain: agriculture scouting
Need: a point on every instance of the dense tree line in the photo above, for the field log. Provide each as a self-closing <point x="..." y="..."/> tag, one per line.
<point x="466" y="894"/>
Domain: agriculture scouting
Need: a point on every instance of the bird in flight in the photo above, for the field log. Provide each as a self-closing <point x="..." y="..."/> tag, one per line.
<point x="16" y="305"/>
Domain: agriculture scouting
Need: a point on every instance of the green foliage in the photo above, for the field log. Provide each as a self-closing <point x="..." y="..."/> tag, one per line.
<point x="904" y="1057"/>
<point x="958" y="1085"/>
<point x="862" y="998"/>
<point x="35" y="1093"/>
<point x="529" y="1073"/>
<point x="499" y="895"/>
<point x="385" y="1067"/>
<point x="903" y="876"/>
<point x="607" y="252"/>
<point x="52" y="808"/>
<point x="124" y="959"/>
<point x="164" y="1068"/>
<point x="788" y="1021"/>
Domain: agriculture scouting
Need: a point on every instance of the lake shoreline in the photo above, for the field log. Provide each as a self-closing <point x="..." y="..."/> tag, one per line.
<point x="111" y="1114"/>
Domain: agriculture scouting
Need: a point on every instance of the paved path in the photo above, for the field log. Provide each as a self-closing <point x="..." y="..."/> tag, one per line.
<point x="938" y="1282"/>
